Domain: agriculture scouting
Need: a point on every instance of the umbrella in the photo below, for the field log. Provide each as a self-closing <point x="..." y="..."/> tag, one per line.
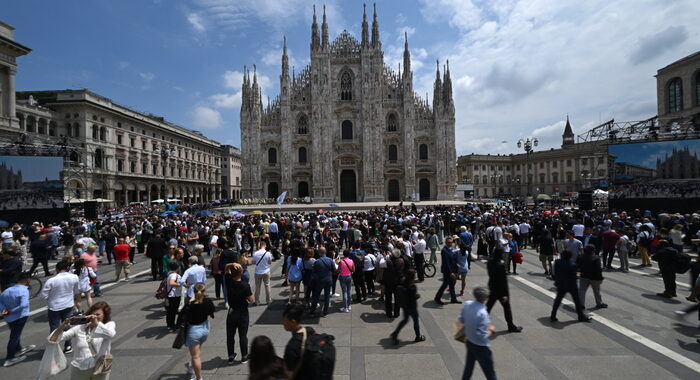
<point x="320" y="210"/>
<point x="543" y="197"/>
<point x="4" y="223"/>
<point x="239" y="215"/>
<point x="547" y="212"/>
<point x="157" y="201"/>
<point x="204" y="213"/>
<point x="334" y="205"/>
<point x="256" y="212"/>
<point x="168" y="213"/>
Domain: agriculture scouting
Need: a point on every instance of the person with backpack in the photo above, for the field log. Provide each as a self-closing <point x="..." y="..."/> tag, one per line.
<point x="308" y="355"/>
<point x="666" y="256"/>
<point x="644" y="238"/>
<point x="358" y="276"/>
<point x="408" y="296"/>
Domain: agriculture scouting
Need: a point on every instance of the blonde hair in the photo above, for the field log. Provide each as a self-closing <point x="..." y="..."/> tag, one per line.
<point x="199" y="289"/>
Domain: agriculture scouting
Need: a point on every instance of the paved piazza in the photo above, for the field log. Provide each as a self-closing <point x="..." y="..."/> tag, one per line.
<point x="637" y="336"/>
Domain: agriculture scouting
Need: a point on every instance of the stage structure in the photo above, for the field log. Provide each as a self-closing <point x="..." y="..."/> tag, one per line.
<point x="612" y="132"/>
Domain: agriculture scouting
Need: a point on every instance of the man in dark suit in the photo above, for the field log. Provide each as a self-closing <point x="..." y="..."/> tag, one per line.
<point x="498" y="287"/>
<point x="565" y="281"/>
<point x="449" y="273"/>
<point x="39" y="248"/>
<point x="155" y="250"/>
<point x="591" y="237"/>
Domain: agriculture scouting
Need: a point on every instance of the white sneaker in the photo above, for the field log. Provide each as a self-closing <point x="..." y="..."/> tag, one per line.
<point x="344" y="310"/>
<point x="336" y="295"/>
<point x="14" y="360"/>
<point x="190" y="370"/>
<point x="349" y="309"/>
<point x="680" y="314"/>
<point x="26" y="349"/>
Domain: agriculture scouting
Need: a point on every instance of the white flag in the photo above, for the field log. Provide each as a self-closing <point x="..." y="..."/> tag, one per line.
<point x="280" y="199"/>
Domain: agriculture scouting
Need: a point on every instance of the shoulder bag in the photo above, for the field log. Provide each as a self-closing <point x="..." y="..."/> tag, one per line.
<point x="103" y="363"/>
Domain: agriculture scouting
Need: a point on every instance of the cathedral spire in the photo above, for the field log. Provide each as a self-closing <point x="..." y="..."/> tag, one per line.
<point x="437" y="88"/>
<point x="406" y="55"/>
<point x="285" y="60"/>
<point x="315" y="40"/>
<point x="447" y="84"/>
<point x="324" y="29"/>
<point x="375" y="30"/>
<point x="365" y="31"/>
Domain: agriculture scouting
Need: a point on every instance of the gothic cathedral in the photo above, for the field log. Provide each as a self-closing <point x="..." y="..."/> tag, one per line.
<point x="348" y="128"/>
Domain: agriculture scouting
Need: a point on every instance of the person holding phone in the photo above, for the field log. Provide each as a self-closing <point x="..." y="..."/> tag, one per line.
<point x="92" y="337"/>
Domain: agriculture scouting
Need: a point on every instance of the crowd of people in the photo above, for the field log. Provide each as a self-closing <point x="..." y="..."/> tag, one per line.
<point x="375" y="256"/>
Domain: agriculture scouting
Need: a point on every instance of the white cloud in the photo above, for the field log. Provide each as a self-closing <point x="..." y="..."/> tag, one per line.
<point x="227" y="100"/>
<point x="206" y="118"/>
<point x="233" y="79"/>
<point x="196" y="22"/>
<point x="147" y="76"/>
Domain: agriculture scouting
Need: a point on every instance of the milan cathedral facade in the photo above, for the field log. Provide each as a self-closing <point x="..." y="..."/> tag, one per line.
<point x="348" y="128"/>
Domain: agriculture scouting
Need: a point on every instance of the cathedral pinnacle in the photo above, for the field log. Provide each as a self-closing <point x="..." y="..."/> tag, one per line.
<point x="375" y="30"/>
<point x="285" y="59"/>
<point x="324" y="29"/>
<point x="315" y="39"/>
<point x="406" y="55"/>
<point x="365" y="32"/>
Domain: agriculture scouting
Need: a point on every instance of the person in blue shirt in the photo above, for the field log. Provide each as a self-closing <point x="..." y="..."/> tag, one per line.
<point x="14" y="307"/>
<point x="477" y="330"/>
<point x="323" y="270"/>
<point x="449" y="273"/>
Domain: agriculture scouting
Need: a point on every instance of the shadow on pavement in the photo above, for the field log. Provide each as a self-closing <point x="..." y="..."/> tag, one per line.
<point x="215" y="363"/>
<point x="689" y="331"/>
<point x="557" y="325"/>
<point x="432" y="305"/>
<point x="375" y="318"/>
<point x="272" y="315"/>
<point x="691" y="346"/>
<point x="663" y="299"/>
<point x="158" y="332"/>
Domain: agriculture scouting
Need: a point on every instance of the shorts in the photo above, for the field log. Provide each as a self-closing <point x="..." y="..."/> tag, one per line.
<point x="197" y="334"/>
<point x="545" y="257"/>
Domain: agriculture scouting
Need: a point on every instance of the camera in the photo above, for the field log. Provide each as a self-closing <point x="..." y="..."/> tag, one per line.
<point x="79" y="321"/>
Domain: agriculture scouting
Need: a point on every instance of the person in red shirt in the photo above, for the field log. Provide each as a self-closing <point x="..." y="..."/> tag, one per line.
<point x="121" y="257"/>
<point x="610" y="238"/>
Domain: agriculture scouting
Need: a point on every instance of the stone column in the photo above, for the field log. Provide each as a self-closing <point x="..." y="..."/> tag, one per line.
<point x="11" y="91"/>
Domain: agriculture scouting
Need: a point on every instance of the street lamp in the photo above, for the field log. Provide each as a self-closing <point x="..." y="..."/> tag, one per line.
<point x="165" y="153"/>
<point x="528" y="144"/>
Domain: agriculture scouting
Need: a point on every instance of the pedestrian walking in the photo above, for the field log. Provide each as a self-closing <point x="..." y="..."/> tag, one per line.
<point x="477" y="330"/>
<point x="14" y="308"/>
<point x="591" y="275"/>
<point x="238" y="319"/>
<point x="39" y="248"/>
<point x="408" y="296"/>
<point x="565" y="281"/>
<point x="121" y="259"/>
<point x="666" y="256"/>
<point x="85" y="276"/>
<point x="59" y="291"/>
<point x="199" y="310"/>
<point x="262" y="260"/>
<point x="173" y="295"/>
<point x="346" y="267"/>
<point x="449" y="271"/>
<point x="156" y="248"/>
<point x="323" y="269"/>
<point x="498" y="287"/>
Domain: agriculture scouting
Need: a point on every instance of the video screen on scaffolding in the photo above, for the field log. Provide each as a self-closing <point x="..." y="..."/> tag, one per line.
<point x="662" y="169"/>
<point x="31" y="182"/>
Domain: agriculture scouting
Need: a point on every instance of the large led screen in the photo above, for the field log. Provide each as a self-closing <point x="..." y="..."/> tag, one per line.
<point x="29" y="182"/>
<point x="664" y="169"/>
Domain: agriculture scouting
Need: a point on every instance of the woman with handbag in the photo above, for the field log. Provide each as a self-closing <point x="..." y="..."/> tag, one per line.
<point x="92" y="342"/>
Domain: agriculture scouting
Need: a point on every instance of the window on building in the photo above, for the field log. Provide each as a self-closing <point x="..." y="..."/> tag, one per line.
<point x="476" y="168"/>
<point x="675" y="95"/>
<point x="272" y="156"/>
<point x="393" y="153"/>
<point x="483" y="167"/>
<point x="601" y="173"/>
<point x="568" y="163"/>
<point x="569" y="177"/>
<point x="99" y="157"/>
<point x="303" y="125"/>
<point x="120" y="165"/>
<point x="132" y="142"/>
<point x="346" y="86"/>
<point x="52" y="129"/>
<point x="500" y="179"/>
<point x="484" y="179"/>
<point x="529" y="166"/>
<point x="517" y="167"/>
<point x="143" y="145"/>
<point x="423" y="152"/>
<point x="172" y="171"/>
<point x="103" y="134"/>
<point x="346" y="130"/>
<point x="76" y="130"/>
<point x="584" y="161"/>
<point x="541" y="165"/>
<point x="554" y="164"/>
<point x="476" y="179"/>
<point x="542" y="178"/>
<point x="144" y="168"/>
<point x="132" y="166"/>
<point x="154" y="169"/>
<point x="508" y="180"/>
<point x="179" y="173"/>
<point x="95" y="132"/>
<point x="392" y="123"/>
<point x="555" y="178"/>
<point x="120" y="139"/>
<point x="302" y="155"/>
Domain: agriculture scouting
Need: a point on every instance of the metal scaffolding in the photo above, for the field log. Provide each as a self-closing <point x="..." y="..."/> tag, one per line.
<point x="652" y="129"/>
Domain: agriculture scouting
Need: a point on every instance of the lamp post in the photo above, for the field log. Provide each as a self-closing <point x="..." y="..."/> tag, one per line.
<point x="165" y="153"/>
<point x="528" y="145"/>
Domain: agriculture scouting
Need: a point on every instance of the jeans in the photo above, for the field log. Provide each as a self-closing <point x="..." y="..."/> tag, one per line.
<point x="264" y="280"/>
<point x="96" y="287"/>
<point x="369" y="280"/>
<point x="101" y="247"/>
<point x="560" y="295"/>
<point x="624" y="259"/>
<point x="58" y="316"/>
<point x="484" y="356"/>
<point x="358" y="278"/>
<point x="583" y="287"/>
<point x="320" y="285"/>
<point x="608" y="255"/>
<point x="13" y="345"/>
<point x="346" y="288"/>
<point x="413" y="313"/>
<point x="447" y="281"/>
<point x="171" y="306"/>
<point x="392" y="309"/>
<point x="237" y="320"/>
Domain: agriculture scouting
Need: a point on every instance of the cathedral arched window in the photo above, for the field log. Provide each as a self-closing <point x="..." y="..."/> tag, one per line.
<point x="272" y="156"/>
<point x="302" y="155"/>
<point x="675" y="95"/>
<point x="346" y="130"/>
<point x="393" y="153"/>
<point x="346" y="86"/>
<point x="392" y="123"/>
<point x="423" y="152"/>
<point x="303" y="125"/>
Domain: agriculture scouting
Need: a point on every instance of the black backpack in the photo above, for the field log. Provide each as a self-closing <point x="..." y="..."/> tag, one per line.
<point x="681" y="264"/>
<point x="320" y="353"/>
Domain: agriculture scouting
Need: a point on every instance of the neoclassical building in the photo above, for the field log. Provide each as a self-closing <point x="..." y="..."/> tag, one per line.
<point x="348" y="128"/>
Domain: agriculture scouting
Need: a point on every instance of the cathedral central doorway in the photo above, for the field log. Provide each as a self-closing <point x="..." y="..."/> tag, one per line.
<point x="424" y="189"/>
<point x="348" y="186"/>
<point x="393" y="193"/>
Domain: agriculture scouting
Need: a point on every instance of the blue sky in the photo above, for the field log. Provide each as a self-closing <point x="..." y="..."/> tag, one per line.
<point x="518" y="67"/>
<point x="35" y="168"/>
<point x="645" y="154"/>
